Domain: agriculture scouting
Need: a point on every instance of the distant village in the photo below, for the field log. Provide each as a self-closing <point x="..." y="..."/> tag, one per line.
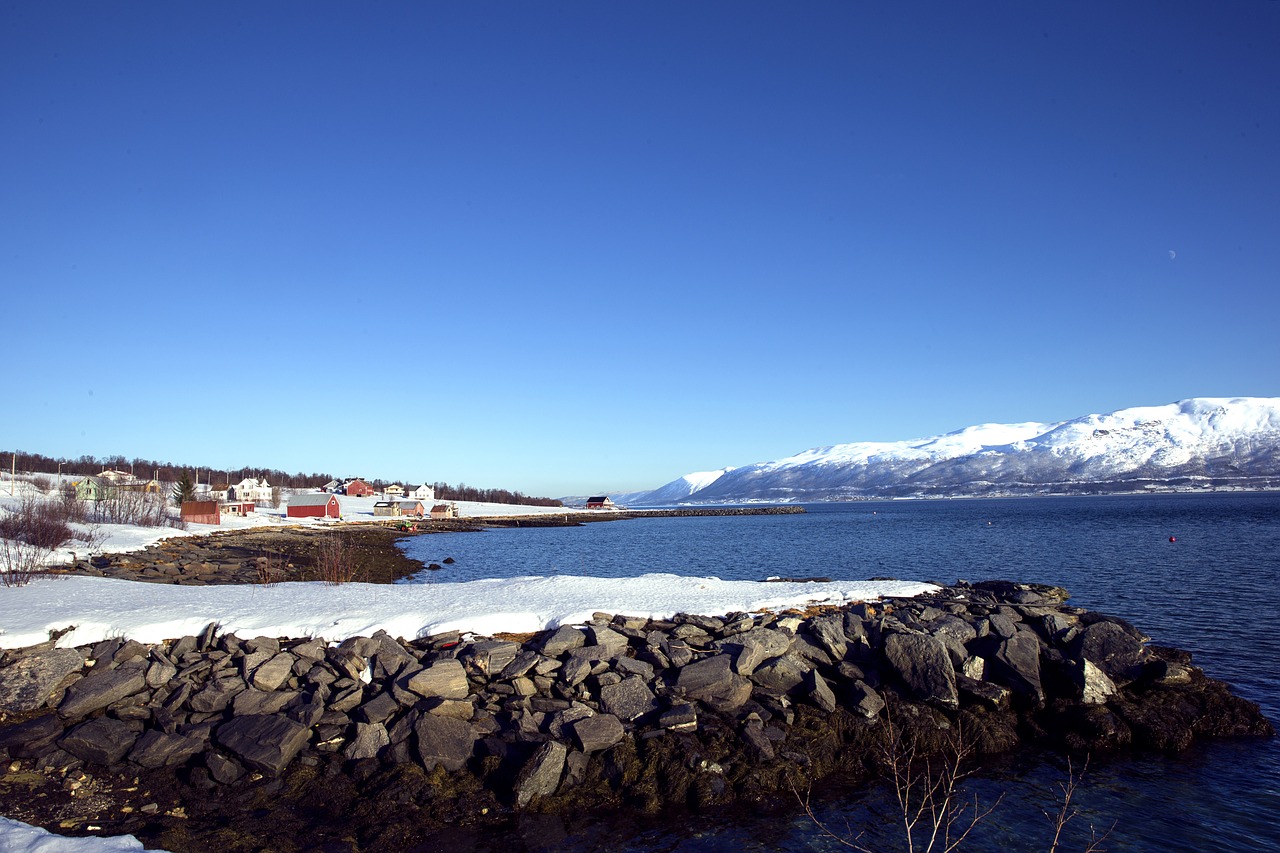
<point x="210" y="502"/>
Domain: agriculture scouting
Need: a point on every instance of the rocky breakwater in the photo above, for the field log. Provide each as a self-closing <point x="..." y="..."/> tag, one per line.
<point x="216" y="741"/>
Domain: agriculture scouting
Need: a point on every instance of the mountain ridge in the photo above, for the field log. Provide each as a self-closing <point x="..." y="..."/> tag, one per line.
<point x="1199" y="442"/>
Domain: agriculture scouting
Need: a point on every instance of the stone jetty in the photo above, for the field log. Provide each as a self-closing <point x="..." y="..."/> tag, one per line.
<point x="224" y="742"/>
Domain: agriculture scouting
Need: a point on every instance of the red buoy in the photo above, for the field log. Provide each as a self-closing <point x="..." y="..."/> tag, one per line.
<point x="1173" y="538"/>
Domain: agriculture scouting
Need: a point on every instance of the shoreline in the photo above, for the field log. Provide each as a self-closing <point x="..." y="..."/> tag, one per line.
<point x="218" y="742"/>
<point x="285" y="553"/>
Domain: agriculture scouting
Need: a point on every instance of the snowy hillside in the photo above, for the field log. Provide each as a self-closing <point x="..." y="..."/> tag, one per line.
<point x="1197" y="443"/>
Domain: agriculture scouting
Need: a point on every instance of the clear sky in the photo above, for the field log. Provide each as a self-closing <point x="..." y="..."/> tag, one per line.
<point x="575" y="247"/>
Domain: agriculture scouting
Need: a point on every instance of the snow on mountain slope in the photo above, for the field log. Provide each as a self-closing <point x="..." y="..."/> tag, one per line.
<point x="675" y="491"/>
<point x="1201" y="441"/>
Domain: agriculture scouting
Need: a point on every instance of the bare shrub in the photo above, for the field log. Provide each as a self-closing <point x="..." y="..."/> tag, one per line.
<point x="139" y="509"/>
<point x="21" y="562"/>
<point x="37" y="522"/>
<point x="933" y="811"/>
<point x="41" y="482"/>
<point x="1067" y="812"/>
<point x="72" y="508"/>
<point x="268" y="567"/>
<point x="333" y="562"/>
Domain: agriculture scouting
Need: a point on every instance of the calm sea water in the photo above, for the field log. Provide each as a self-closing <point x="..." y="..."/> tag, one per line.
<point x="1213" y="591"/>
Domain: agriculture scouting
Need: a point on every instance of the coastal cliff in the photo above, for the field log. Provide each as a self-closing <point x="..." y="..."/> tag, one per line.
<point x="369" y="743"/>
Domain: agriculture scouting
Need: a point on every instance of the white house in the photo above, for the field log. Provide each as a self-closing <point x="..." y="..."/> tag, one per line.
<point x="394" y="491"/>
<point x="423" y="493"/>
<point x="250" y="489"/>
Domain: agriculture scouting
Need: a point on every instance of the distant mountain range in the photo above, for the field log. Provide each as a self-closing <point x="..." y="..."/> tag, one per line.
<point x="1201" y="443"/>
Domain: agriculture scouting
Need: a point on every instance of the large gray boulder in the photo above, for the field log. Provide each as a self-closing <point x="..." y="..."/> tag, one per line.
<point x="628" y="699"/>
<point x="924" y="666"/>
<point x="1017" y="662"/>
<point x="444" y="741"/>
<point x="101" y="688"/>
<point x="265" y="742"/>
<point x="370" y="739"/>
<point x="30" y="683"/>
<point x="1112" y="649"/>
<point x="102" y="740"/>
<point x="156" y="749"/>
<point x="444" y="679"/>
<point x="565" y="638"/>
<point x="597" y="732"/>
<point x="540" y="776"/>
<point x="713" y="681"/>
<point x="784" y="673"/>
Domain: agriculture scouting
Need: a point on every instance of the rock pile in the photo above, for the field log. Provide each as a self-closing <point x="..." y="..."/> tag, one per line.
<point x="695" y="711"/>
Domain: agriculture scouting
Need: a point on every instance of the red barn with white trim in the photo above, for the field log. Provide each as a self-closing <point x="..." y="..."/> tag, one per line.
<point x="316" y="505"/>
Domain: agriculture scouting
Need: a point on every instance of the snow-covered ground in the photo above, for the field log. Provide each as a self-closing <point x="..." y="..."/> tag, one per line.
<point x="97" y="608"/>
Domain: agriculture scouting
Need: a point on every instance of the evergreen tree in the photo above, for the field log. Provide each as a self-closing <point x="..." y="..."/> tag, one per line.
<point x="184" y="489"/>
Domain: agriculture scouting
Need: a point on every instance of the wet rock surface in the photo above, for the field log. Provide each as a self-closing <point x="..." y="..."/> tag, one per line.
<point x="217" y="742"/>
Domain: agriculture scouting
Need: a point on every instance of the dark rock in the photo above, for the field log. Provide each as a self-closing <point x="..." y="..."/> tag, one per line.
<point x="712" y="680"/>
<point x="444" y="742"/>
<point x="520" y="664"/>
<point x="102" y="740"/>
<point x="982" y="692"/>
<point x="607" y="638"/>
<point x="753" y="734"/>
<point x="33" y="680"/>
<point x="924" y="666"/>
<point x="378" y="709"/>
<point x="1017" y="663"/>
<point x="272" y="673"/>
<point x="267" y="743"/>
<point x="252" y="701"/>
<point x="597" y="732"/>
<point x="370" y="739"/>
<point x="158" y="749"/>
<point x="628" y="699"/>
<point x="784" y="673"/>
<point x="682" y="717"/>
<point x="31" y="738"/>
<point x="540" y="776"/>
<point x="445" y="679"/>
<point x="101" y="688"/>
<point x="864" y="699"/>
<point x="829" y="632"/>
<point x="565" y="638"/>
<point x="1113" y="650"/>
<point x="820" y="692"/>
<point x="223" y="769"/>
<point x="218" y="693"/>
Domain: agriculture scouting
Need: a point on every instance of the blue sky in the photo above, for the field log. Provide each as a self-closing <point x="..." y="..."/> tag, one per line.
<point x="575" y="247"/>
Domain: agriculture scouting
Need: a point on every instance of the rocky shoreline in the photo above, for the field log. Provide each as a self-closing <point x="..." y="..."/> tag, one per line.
<point x="217" y="742"/>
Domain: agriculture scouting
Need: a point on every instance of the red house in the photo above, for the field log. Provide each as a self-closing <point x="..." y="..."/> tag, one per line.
<point x="359" y="489"/>
<point x="316" y="505"/>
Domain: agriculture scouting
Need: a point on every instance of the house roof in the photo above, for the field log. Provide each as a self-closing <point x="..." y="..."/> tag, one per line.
<point x="599" y="499"/>
<point x="312" y="499"/>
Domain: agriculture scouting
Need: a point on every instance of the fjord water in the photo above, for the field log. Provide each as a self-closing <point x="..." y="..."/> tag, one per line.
<point x="1199" y="572"/>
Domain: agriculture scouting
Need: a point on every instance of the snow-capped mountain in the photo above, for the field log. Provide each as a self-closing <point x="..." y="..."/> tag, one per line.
<point x="1201" y="442"/>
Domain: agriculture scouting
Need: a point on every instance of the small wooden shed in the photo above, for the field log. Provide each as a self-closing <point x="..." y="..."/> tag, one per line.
<point x="201" y="512"/>
<point x="384" y="508"/>
<point x="444" y="511"/>
<point x="414" y="508"/>
<point x="314" y="505"/>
